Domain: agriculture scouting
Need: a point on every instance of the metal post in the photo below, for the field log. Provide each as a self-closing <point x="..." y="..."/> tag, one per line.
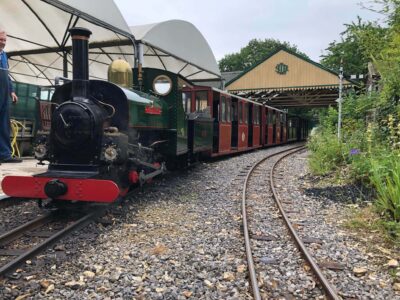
<point x="65" y="64"/>
<point x="340" y="98"/>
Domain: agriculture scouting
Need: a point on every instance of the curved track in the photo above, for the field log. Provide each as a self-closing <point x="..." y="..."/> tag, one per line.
<point x="329" y="290"/>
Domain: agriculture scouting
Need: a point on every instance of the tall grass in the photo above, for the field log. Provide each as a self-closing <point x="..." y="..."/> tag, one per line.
<point x="386" y="181"/>
<point x="326" y="153"/>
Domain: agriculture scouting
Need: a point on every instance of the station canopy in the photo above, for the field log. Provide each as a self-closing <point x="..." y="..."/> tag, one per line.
<point x="39" y="45"/>
<point x="179" y="47"/>
<point x="287" y="79"/>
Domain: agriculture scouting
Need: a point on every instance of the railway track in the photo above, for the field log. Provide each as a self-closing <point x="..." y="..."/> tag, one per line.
<point x="35" y="236"/>
<point x="273" y="162"/>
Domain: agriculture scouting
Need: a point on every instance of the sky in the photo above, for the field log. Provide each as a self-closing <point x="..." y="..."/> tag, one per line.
<point x="228" y="26"/>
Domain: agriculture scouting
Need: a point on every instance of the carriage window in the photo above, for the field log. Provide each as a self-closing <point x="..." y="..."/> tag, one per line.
<point x="246" y="113"/>
<point x="240" y="112"/>
<point x="273" y="118"/>
<point x="186" y="101"/>
<point x="256" y="111"/>
<point x="201" y="101"/>
<point x="235" y="111"/>
<point x="223" y="109"/>
<point x="228" y="110"/>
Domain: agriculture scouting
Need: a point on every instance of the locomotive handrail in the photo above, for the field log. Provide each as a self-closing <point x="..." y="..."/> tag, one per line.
<point x="58" y="78"/>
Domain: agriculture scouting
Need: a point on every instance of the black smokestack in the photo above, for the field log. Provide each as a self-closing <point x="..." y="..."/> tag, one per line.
<point x="80" y="61"/>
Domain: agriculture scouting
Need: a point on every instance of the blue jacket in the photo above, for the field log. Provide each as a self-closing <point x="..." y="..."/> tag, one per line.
<point x="4" y="65"/>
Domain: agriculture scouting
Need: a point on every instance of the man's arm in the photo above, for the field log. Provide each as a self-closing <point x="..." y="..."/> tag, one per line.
<point x="14" y="96"/>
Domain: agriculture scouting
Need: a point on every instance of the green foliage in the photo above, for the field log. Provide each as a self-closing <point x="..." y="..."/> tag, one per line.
<point x="370" y="146"/>
<point x="386" y="180"/>
<point x="326" y="153"/>
<point x="388" y="65"/>
<point x="359" y="42"/>
<point x="255" y="51"/>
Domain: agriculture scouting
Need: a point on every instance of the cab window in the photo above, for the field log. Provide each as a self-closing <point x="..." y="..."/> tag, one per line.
<point x="201" y="101"/>
<point x="186" y="101"/>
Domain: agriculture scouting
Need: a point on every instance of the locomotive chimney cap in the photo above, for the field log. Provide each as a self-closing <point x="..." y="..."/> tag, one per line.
<point x="80" y="31"/>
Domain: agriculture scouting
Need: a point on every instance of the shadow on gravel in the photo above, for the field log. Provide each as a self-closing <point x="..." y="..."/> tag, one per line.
<point x="348" y="193"/>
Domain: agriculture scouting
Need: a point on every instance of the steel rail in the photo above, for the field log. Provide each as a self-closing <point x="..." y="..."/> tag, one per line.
<point x="19" y="231"/>
<point x="249" y="256"/>
<point x="12" y="265"/>
<point x="329" y="289"/>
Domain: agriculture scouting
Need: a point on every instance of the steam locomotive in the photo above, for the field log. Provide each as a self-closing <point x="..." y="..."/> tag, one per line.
<point x="106" y="137"/>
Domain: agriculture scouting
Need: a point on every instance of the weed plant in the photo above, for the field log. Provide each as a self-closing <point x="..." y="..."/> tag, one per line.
<point x="369" y="151"/>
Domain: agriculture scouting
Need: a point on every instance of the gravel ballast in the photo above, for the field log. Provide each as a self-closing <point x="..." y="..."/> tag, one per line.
<point x="181" y="238"/>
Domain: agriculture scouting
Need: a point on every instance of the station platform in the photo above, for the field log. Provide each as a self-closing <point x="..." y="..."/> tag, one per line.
<point x="27" y="167"/>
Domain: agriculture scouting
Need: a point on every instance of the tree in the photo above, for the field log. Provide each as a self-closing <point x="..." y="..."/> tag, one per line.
<point x="388" y="59"/>
<point x="255" y="51"/>
<point x="360" y="43"/>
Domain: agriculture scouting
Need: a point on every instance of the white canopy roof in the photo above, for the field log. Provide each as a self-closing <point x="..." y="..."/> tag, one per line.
<point x="177" y="46"/>
<point x="38" y="36"/>
<point x="39" y="45"/>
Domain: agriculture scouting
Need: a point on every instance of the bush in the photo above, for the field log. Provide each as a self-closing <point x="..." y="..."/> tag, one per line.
<point x="326" y="153"/>
<point x="385" y="177"/>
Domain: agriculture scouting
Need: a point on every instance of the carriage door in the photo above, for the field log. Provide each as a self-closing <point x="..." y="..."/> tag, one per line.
<point x="217" y="120"/>
<point x="262" y="126"/>
<point x="256" y="126"/>
<point x="235" y="123"/>
<point x="261" y="123"/>
<point x="187" y="107"/>
<point x="278" y="127"/>
<point x="274" y="127"/>
<point x="225" y="127"/>
<point x="284" y="126"/>
<point x="250" y="122"/>
<point x="267" y="134"/>
<point x="243" y="125"/>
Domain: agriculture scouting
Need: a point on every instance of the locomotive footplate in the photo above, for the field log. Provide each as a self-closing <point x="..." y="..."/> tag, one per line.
<point x="74" y="189"/>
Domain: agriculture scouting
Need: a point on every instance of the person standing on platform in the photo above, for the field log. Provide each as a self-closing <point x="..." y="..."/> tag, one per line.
<point x="6" y="90"/>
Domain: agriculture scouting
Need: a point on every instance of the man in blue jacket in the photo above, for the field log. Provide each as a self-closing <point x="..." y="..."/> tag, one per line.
<point x="6" y="90"/>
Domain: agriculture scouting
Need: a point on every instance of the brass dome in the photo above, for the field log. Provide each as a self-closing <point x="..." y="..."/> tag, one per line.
<point x="120" y="72"/>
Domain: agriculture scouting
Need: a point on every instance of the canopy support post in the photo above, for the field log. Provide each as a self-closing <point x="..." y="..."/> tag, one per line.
<point x="139" y="48"/>
<point x="65" y="64"/>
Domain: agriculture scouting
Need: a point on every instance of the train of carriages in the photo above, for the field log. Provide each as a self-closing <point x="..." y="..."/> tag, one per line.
<point x="105" y="137"/>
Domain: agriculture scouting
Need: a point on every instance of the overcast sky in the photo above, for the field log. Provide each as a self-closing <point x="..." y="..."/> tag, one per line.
<point x="230" y="25"/>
